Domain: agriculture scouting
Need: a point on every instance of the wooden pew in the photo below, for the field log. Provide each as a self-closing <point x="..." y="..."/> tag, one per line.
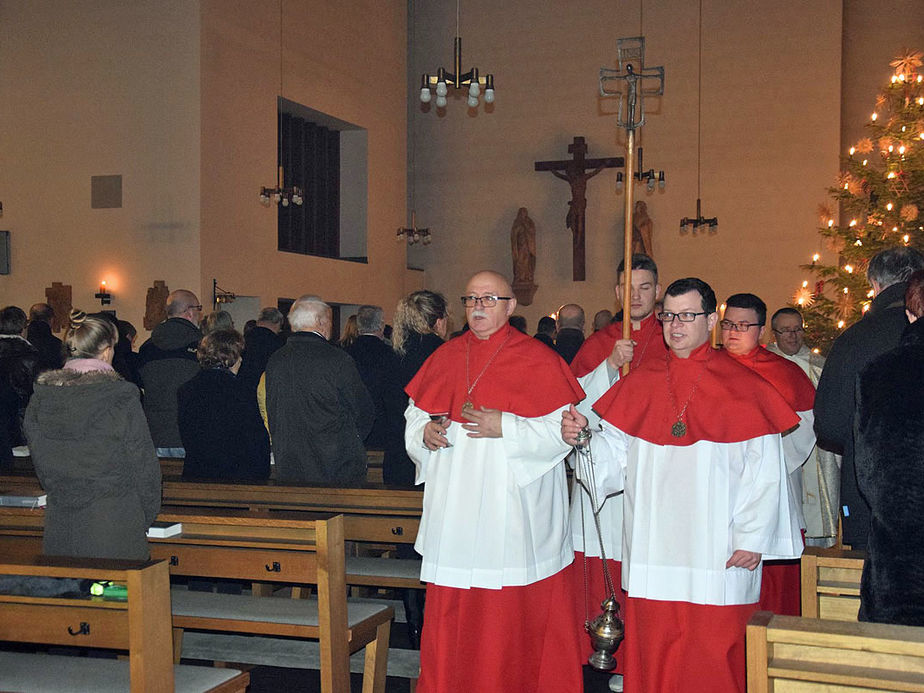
<point x="288" y="548"/>
<point x="285" y="548"/>
<point x="831" y="583"/>
<point x="140" y="625"/>
<point x="789" y="653"/>
<point x="373" y="515"/>
<point x="376" y="515"/>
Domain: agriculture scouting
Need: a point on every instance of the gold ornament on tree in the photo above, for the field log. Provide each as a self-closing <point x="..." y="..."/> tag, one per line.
<point x="825" y="213"/>
<point x="907" y="63"/>
<point x="803" y="297"/>
<point x="844" y="305"/>
<point x="865" y="145"/>
<point x="909" y="212"/>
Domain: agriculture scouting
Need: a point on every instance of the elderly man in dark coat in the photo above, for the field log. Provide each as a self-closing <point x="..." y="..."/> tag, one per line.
<point x="889" y="456"/>
<point x="259" y="344"/>
<point x="879" y="331"/>
<point x="319" y="411"/>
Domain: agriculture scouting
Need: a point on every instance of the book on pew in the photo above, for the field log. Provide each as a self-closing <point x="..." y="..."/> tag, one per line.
<point x="162" y="530"/>
<point x="24" y="501"/>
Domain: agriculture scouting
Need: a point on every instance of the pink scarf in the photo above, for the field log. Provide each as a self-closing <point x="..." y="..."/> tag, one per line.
<point x="87" y="365"/>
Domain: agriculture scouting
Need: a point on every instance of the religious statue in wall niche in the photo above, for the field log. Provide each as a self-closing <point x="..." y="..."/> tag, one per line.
<point x="642" y="228"/>
<point x="523" y="252"/>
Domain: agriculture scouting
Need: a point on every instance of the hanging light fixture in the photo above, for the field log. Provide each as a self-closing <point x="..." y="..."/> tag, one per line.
<point x="413" y="234"/>
<point x="444" y="79"/>
<point x="699" y="220"/>
<point x="280" y="194"/>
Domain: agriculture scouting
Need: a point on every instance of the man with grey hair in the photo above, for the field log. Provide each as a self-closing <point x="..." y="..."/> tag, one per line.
<point x="259" y="344"/>
<point x="166" y="361"/>
<point x="318" y="408"/>
<point x="879" y="331"/>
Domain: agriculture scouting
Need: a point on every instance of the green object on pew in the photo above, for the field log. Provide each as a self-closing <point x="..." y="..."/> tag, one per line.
<point x="109" y="590"/>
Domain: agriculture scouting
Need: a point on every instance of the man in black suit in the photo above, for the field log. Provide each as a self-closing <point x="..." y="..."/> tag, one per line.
<point x="259" y="344"/>
<point x="50" y="348"/>
<point x="879" y="331"/>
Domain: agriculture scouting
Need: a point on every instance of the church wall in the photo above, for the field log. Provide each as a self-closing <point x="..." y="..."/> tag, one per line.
<point x="101" y="88"/>
<point x="770" y="140"/>
<point x="334" y="60"/>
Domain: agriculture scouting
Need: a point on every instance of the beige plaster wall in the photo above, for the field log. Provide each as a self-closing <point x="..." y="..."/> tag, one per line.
<point x="770" y="136"/>
<point x="99" y="88"/>
<point x="344" y="59"/>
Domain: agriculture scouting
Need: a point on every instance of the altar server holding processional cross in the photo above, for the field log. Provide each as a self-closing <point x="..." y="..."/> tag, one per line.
<point x="483" y="429"/>
<point x="693" y="439"/>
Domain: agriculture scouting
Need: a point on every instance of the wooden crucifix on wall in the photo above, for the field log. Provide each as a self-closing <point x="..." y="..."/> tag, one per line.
<point x="577" y="171"/>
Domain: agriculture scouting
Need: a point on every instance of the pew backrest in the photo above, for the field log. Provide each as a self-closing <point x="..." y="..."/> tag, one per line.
<point x="831" y="583"/>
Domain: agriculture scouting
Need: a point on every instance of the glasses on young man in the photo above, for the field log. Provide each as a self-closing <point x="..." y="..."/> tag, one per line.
<point x="485" y="301"/>
<point x="686" y="316"/>
<point x="738" y="326"/>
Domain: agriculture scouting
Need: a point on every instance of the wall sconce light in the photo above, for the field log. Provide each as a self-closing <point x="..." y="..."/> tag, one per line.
<point x="104" y="296"/>
<point x="220" y="296"/>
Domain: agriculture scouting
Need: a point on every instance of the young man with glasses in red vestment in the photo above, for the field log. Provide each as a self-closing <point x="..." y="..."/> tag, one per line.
<point x="694" y="441"/>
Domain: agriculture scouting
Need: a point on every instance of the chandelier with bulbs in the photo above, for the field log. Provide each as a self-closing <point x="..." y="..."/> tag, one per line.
<point x="281" y="195"/>
<point x="443" y="79"/>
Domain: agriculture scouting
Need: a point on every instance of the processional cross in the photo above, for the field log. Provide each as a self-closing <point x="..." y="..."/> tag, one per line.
<point x="633" y="73"/>
<point x="575" y="171"/>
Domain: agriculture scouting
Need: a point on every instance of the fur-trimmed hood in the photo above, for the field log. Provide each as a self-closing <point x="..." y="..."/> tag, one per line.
<point x="69" y="378"/>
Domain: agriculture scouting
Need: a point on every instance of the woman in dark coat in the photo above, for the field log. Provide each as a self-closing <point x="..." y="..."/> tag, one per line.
<point x="92" y="451"/>
<point x="220" y="423"/>
<point x="889" y="455"/>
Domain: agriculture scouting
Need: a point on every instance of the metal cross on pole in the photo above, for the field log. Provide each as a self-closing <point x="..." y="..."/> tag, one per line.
<point x="632" y="74"/>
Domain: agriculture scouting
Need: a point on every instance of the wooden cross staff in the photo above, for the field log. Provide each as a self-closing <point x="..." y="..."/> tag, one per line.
<point x="631" y="73"/>
<point x="575" y="171"/>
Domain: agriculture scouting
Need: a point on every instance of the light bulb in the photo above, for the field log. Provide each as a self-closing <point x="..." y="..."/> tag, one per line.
<point x="840" y="324"/>
<point x="489" y="96"/>
<point x="901" y="150"/>
<point x="619" y="182"/>
<point x="441" y="102"/>
<point x="874" y="116"/>
<point x="889" y="206"/>
<point x="651" y="184"/>
<point x="473" y="102"/>
<point x="805" y="284"/>
<point x="852" y="150"/>
<point x="264" y="200"/>
<point x="474" y="89"/>
<point x="816" y="257"/>
<point x="830" y="223"/>
<point x="441" y="89"/>
<point x="277" y="198"/>
<point x="661" y="181"/>
<point x="285" y="201"/>
<point x="425" y="95"/>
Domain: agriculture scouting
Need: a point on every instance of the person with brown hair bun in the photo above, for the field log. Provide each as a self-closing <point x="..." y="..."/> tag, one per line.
<point x="220" y="424"/>
<point x="92" y="450"/>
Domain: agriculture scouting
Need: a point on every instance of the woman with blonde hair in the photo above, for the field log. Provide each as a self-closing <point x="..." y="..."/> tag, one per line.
<point x="92" y="450"/>
<point x="421" y="326"/>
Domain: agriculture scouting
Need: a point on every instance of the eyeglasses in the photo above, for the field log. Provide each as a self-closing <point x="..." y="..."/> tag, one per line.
<point x="793" y="331"/>
<point x="199" y="308"/>
<point x="686" y="316"/>
<point x="738" y="326"/>
<point x="485" y="301"/>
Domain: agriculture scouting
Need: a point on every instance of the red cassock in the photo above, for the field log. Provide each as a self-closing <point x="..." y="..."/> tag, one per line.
<point x="594" y="351"/>
<point x="781" y="586"/>
<point x="494" y="537"/>
<point x="689" y="502"/>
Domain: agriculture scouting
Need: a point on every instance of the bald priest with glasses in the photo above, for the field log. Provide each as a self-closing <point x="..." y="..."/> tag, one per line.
<point x="483" y="429"/>
<point x="694" y="440"/>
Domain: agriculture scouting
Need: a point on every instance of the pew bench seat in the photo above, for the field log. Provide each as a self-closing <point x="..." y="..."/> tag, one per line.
<point x="383" y="572"/>
<point x="268" y="615"/>
<point x="53" y="673"/>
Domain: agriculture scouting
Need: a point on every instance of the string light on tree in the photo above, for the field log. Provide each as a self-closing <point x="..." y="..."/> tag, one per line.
<point x="879" y="194"/>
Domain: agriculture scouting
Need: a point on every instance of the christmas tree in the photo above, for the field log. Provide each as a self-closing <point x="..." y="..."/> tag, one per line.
<point x="877" y="202"/>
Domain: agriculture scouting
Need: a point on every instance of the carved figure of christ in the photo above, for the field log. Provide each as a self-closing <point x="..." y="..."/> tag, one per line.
<point x="575" y="171"/>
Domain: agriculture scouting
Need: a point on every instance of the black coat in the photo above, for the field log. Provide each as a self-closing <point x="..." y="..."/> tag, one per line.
<point x="50" y="348"/>
<point x="879" y="331"/>
<point x="94" y="456"/>
<point x="398" y="469"/>
<point x="221" y="429"/>
<point x="18" y="361"/>
<point x="259" y="344"/>
<point x="319" y="413"/>
<point x="567" y="343"/>
<point x="378" y="368"/>
<point x="889" y="456"/>
<point x="166" y="361"/>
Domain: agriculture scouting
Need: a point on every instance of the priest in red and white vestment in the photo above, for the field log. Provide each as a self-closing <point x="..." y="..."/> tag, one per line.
<point x="597" y="366"/>
<point x="742" y="328"/>
<point x="483" y="429"/>
<point x="694" y="440"/>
